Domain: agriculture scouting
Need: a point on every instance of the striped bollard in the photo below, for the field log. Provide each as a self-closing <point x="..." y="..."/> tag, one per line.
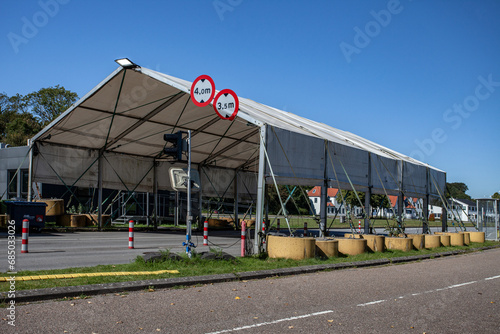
<point x="243" y="228"/>
<point x="359" y="226"/>
<point x="25" y="235"/>
<point x="278" y="226"/>
<point x="131" y="234"/>
<point x="305" y="229"/>
<point x="205" y="233"/>
<point x="263" y="231"/>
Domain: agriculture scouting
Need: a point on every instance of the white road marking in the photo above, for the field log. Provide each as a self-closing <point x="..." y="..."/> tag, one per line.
<point x="272" y="322"/>
<point x="430" y="291"/>
<point x="371" y="303"/>
<point x="462" y="284"/>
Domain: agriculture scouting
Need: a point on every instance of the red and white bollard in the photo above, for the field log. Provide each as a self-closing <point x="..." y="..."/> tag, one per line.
<point x="25" y="235"/>
<point x="131" y="234"/>
<point x="305" y="229"/>
<point x="205" y="233"/>
<point x="359" y="226"/>
<point x="278" y="226"/>
<point x="263" y="231"/>
<point x="243" y="231"/>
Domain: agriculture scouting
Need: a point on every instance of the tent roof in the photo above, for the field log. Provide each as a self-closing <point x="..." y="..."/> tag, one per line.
<point x="131" y="109"/>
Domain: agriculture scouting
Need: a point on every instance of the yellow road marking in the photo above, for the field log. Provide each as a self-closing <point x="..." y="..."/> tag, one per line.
<point x="61" y="276"/>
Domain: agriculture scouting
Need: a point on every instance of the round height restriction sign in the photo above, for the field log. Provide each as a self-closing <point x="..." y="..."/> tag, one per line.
<point x="226" y="104"/>
<point x="202" y="90"/>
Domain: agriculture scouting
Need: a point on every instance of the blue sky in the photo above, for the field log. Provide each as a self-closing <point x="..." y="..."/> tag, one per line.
<point x="421" y="77"/>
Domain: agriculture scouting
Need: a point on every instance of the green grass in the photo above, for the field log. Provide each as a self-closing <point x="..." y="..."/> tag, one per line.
<point x="198" y="267"/>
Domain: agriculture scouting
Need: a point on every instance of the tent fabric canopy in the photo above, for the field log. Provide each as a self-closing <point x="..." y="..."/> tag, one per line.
<point x="124" y="118"/>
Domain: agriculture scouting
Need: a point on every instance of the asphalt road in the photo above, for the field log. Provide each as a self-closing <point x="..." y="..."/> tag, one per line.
<point x="459" y="294"/>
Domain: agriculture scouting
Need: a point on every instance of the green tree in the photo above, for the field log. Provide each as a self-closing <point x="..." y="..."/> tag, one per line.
<point x="379" y="201"/>
<point x="298" y="204"/>
<point x="48" y="103"/>
<point x="21" y="117"/>
<point x="20" y="128"/>
<point x="496" y="195"/>
<point x="457" y="190"/>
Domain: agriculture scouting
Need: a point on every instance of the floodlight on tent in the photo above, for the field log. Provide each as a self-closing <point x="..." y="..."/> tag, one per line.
<point x="126" y="63"/>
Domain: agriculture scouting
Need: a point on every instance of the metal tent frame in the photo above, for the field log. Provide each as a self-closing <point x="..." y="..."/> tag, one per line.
<point x="123" y="119"/>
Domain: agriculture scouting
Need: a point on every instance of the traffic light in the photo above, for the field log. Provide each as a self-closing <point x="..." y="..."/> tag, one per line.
<point x="175" y="150"/>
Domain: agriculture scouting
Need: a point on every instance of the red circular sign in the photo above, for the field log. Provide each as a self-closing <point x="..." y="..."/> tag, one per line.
<point x="202" y="90"/>
<point x="226" y="104"/>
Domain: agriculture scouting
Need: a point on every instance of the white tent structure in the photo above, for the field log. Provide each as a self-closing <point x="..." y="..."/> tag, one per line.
<point x="113" y="138"/>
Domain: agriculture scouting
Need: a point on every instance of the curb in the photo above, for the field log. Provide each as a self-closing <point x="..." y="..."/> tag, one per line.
<point x="97" y="289"/>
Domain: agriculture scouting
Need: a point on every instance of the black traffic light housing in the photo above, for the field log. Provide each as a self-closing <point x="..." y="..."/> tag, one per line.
<point x="176" y="143"/>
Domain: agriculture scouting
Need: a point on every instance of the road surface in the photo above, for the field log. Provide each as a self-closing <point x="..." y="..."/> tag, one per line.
<point x="459" y="294"/>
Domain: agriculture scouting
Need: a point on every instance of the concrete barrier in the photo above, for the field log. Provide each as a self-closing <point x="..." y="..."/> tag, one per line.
<point x="78" y="220"/>
<point x="477" y="236"/>
<point x="466" y="237"/>
<point x="217" y="223"/>
<point x="375" y="243"/>
<point x="352" y="246"/>
<point x="55" y="207"/>
<point x="418" y="240"/>
<point x="397" y="243"/>
<point x="432" y="241"/>
<point x="456" y="239"/>
<point x="327" y="247"/>
<point x="445" y="240"/>
<point x="290" y="248"/>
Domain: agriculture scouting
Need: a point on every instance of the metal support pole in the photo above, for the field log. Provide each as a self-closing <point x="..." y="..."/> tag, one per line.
<point x="497" y="219"/>
<point x="236" y="198"/>
<point x="444" y="214"/>
<point x="155" y="194"/>
<point x="425" y="209"/>
<point x="200" y="200"/>
<point x="177" y="209"/>
<point x="30" y="172"/>
<point x="425" y="212"/>
<point x="400" y="194"/>
<point x="324" y="195"/>
<point x="99" y="189"/>
<point x="266" y="210"/>
<point x="322" y="210"/>
<point x="189" y="217"/>
<point x="368" y="195"/>
<point x="444" y="219"/>
<point x="401" y="206"/>
<point x="147" y="208"/>
<point x="260" y="188"/>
